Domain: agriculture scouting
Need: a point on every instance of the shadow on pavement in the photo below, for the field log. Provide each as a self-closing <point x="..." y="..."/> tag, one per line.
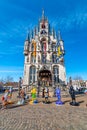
<point x="15" y="106"/>
<point x="80" y="101"/>
<point x="67" y="101"/>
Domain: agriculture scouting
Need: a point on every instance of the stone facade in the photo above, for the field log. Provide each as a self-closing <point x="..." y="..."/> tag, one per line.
<point x="44" y="56"/>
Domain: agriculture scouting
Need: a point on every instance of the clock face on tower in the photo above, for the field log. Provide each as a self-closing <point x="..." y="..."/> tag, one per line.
<point x="43" y="32"/>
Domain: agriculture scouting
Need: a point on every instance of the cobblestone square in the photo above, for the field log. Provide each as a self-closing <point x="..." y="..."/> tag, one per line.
<point x="46" y="116"/>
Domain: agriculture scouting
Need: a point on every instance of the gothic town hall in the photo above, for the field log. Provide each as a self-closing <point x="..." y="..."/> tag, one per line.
<point x="44" y="57"/>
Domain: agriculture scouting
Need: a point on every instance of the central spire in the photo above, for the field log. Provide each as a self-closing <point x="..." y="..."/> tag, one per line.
<point x="43" y="14"/>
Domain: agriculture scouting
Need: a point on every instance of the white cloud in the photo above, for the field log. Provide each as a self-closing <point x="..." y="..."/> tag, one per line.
<point x="75" y="19"/>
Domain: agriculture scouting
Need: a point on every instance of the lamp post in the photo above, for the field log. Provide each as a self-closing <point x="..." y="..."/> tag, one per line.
<point x="70" y="81"/>
<point x="20" y="82"/>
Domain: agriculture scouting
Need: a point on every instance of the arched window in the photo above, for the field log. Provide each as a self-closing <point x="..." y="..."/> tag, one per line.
<point x="28" y="59"/>
<point x="54" y="57"/>
<point x="53" y="47"/>
<point x="32" y="47"/>
<point x="43" y="25"/>
<point x="33" y="58"/>
<point x="56" y="74"/>
<point x="43" y="46"/>
<point x="43" y="58"/>
<point x="32" y="74"/>
<point x="38" y="58"/>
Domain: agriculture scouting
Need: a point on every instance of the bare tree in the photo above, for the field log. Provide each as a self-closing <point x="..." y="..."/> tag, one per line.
<point x="77" y="78"/>
<point x="9" y="79"/>
<point x="6" y="81"/>
<point x="2" y="81"/>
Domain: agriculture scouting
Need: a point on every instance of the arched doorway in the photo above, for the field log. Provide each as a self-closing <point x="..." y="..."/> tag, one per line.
<point x="45" y="78"/>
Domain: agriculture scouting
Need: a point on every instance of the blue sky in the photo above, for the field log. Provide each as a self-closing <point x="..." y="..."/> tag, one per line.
<point x="17" y="16"/>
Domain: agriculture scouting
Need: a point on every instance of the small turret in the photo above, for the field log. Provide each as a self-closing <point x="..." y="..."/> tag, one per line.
<point x="53" y="32"/>
<point x="49" y="29"/>
<point x="26" y="45"/>
<point x="35" y="31"/>
<point x="28" y="37"/>
<point x="44" y="18"/>
<point x="55" y="35"/>
<point x="32" y="34"/>
<point x="59" y="36"/>
<point x="60" y="42"/>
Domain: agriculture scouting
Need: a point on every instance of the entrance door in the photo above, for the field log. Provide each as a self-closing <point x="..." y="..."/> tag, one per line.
<point x="45" y="78"/>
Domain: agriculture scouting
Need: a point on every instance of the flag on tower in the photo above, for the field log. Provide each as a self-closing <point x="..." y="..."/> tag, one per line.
<point x="34" y="52"/>
<point x="59" y="51"/>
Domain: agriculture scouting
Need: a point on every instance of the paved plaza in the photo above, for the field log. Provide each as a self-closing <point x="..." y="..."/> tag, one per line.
<point x="46" y="116"/>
